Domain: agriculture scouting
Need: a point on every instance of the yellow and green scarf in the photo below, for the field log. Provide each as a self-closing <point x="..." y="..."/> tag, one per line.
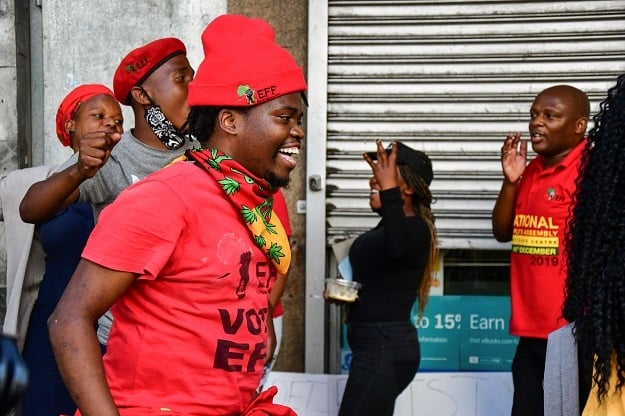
<point x="253" y="198"/>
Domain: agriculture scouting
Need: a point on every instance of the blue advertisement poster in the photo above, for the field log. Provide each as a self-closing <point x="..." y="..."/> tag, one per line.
<point x="466" y="333"/>
<point x="486" y="343"/>
<point x="460" y="333"/>
<point x="439" y="333"/>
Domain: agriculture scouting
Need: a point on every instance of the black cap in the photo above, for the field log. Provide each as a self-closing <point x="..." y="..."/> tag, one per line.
<point x="416" y="159"/>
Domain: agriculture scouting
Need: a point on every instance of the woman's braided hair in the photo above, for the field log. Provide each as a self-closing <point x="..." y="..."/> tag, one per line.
<point x="595" y="285"/>
<point x="422" y="200"/>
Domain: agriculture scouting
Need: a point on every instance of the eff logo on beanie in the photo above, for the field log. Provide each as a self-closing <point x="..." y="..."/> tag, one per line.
<point x="260" y="71"/>
<point x="141" y="63"/>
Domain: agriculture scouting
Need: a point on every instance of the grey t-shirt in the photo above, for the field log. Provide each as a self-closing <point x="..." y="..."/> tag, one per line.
<point x="130" y="161"/>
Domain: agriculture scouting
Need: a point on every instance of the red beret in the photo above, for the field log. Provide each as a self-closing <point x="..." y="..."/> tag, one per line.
<point x="70" y="104"/>
<point x="243" y="65"/>
<point x="140" y="63"/>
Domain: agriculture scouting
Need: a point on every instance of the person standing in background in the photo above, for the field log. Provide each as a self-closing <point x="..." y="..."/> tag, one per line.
<point x="86" y="109"/>
<point x="41" y="259"/>
<point x="394" y="262"/>
<point x="531" y="211"/>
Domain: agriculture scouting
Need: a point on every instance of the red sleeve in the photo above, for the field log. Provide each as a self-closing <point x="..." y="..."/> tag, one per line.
<point x="279" y="207"/>
<point x="137" y="233"/>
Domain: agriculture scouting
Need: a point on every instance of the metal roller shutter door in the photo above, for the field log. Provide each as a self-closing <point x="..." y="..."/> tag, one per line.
<point x="447" y="77"/>
<point x="452" y="78"/>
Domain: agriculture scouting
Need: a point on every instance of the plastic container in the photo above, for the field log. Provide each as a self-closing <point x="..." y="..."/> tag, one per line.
<point x="343" y="290"/>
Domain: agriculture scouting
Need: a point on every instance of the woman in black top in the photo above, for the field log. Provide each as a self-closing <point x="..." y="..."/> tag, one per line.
<point x="394" y="263"/>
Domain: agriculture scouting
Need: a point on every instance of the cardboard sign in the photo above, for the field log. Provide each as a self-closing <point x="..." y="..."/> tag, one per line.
<point x="440" y="394"/>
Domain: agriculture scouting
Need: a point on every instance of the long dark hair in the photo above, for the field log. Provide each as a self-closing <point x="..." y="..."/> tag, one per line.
<point x="422" y="200"/>
<point x="595" y="285"/>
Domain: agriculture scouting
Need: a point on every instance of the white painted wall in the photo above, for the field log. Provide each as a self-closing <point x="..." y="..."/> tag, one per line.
<point x="8" y="112"/>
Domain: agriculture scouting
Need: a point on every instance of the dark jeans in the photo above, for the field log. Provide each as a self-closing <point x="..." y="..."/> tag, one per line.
<point x="528" y="370"/>
<point x="385" y="359"/>
<point x="46" y="394"/>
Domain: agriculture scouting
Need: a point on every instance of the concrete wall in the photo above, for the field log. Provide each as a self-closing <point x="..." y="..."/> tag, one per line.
<point x="8" y="114"/>
<point x="84" y="41"/>
<point x="75" y="42"/>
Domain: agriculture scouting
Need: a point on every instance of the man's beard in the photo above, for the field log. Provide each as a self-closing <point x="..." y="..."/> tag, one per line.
<point x="275" y="182"/>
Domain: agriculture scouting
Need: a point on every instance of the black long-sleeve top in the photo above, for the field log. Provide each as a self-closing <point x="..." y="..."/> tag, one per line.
<point x="389" y="261"/>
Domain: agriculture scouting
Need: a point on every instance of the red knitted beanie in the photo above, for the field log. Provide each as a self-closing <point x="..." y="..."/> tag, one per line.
<point x="243" y="65"/>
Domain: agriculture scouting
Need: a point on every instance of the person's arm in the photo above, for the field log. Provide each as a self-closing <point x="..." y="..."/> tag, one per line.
<point x="281" y="210"/>
<point x="47" y="198"/>
<point x="277" y="289"/>
<point x="399" y="239"/>
<point x="274" y="298"/>
<point x="513" y="161"/>
<point x="385" y="170"/>
<point x="503" y="212"/>
<point x="92" y="291"/>
<point x="271" y="334"/>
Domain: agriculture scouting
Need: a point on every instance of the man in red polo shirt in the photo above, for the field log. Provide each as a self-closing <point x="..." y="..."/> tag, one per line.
<point x="532" y="211"/>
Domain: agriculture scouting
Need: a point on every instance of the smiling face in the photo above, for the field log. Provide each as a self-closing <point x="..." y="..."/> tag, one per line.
<point x="269" y="138"/>
<point x="99" y="113"/>
<point x="557" y="122"/>
<point x="374" y="195"/>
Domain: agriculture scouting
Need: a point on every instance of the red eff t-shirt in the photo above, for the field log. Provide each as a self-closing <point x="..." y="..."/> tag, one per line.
<point x="190" y="334"/>
<point x="280" y="209"/>
<point x="537" y="261"/>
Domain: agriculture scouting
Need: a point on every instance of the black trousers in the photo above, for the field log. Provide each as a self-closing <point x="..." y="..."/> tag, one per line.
<point x="385" y="359"/>
<point x="528" y="370"/>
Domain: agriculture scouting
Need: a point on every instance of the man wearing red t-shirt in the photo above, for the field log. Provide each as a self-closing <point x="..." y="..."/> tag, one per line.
<point x="185" y="258"/>
<point x="532" y="211"/>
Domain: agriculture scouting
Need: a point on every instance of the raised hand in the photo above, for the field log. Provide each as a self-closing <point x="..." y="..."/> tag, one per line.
<point x="385" y="167"/>
<point x="94" y="150"/>
<point x="513" y="157"/>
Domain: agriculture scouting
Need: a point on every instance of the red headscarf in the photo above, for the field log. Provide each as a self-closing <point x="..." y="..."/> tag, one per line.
<point x="70" y="104"/>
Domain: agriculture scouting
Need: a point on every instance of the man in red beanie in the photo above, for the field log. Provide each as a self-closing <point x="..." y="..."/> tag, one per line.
<point x="189" y="287"/>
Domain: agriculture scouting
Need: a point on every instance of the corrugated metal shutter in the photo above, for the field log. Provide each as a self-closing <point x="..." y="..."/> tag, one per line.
<point x="452" y="78"/>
